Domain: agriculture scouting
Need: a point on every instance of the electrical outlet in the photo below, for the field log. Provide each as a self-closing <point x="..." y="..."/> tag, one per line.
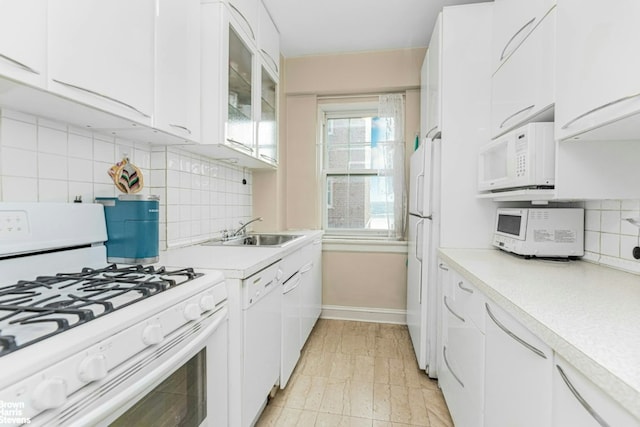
<point x="13" y="224"/>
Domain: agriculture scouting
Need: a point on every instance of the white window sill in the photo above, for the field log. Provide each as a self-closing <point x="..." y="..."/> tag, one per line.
<point x="355" y="244"/>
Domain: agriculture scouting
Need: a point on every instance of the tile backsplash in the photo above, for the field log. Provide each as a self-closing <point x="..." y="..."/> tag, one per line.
<point x="47" y="161"/>
<point x="608" y="238"/>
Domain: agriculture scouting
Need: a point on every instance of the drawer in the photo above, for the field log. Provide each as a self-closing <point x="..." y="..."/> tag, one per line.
<point x="290" y="265"/>
<point x="470" y="301"/>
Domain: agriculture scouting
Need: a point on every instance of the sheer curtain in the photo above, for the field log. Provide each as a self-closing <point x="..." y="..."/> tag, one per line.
<point x="392" y="146"/>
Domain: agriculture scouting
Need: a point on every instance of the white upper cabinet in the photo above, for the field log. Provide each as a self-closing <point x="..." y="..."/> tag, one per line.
<point x="522" y="89"/>
<point x="231" y="92"/>
<point x="23" y="36"/>
<point x="514" y="20"/>
<point x="268" y="123"/>
<point x="579" y="402"/>
<point x="598" y="84"/>
<point x="269" y="41"/>
<point x="245" y="15"/>
<point x="101" y="54"/>
<point x="177" y="69"/>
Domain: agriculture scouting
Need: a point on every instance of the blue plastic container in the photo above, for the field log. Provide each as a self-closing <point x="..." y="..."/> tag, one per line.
<point x="132" y="228"/>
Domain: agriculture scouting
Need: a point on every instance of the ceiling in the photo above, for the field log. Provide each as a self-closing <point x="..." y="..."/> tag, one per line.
<point x="314" y="27"/>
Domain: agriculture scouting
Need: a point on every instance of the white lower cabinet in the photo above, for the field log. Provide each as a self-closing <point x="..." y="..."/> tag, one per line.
<point x="301" y="303"/>
<point x="311" y="288"/>
<point x="494" y="372"/>
<point x="462" y="368"/>
<point x="518" y="373"/>
<point x="578" y="402"/>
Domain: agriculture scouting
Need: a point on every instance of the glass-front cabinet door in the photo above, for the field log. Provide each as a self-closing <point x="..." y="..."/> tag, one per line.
<point x="267" y="128"/>
<point x="239" y="126"/>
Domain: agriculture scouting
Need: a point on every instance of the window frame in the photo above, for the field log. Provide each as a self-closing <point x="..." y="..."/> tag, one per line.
<point x="336" y="110"/>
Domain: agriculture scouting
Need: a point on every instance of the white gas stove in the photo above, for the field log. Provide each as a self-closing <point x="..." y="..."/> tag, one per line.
<point x="83" y="342"/>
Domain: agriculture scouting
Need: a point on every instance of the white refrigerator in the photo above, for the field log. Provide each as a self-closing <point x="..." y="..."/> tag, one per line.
<point x="444" y="210"/>
<point x="423" y="243"/>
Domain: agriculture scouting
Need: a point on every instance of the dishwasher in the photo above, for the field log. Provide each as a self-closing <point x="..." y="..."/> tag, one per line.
<point x="261" y="310"/>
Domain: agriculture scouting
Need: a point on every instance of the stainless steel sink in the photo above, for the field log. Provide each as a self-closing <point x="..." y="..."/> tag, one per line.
<point x="255" y="240"/>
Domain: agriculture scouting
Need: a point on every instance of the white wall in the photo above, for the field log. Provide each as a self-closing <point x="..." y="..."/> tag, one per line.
<point x="45" y="161"/>
<point x="609" y="239"/>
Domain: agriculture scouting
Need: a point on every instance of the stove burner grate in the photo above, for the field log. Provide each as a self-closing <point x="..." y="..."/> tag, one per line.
<point x="31" y="311"/>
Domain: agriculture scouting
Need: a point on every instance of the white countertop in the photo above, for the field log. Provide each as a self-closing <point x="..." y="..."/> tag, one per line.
<point x="237" y="262"/>
<point x="588" y="314"/>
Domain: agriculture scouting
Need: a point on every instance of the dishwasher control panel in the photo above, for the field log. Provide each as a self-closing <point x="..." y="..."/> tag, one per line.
<point x="258" y="285"/>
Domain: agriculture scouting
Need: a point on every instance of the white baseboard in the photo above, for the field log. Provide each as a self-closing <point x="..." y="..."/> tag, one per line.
<point x="364" y="314"/>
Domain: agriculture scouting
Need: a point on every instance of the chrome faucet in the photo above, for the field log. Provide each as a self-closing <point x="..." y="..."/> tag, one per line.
<point x="241" y="229"/>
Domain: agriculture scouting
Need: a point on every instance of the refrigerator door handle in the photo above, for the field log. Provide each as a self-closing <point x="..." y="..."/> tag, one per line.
<point x="420" y="252"/>
<point x="419" y="193"/>
<point x="419" y="231"/>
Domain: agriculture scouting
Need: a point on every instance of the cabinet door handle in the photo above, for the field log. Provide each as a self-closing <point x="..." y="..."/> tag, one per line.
<point x="446" y="362"/>
<point x="240" y="145"/>
<point x="446" y="304"/>
<point x="430" y="130"/>
<point x="101" y="95"/>
<point x="461" y="286"/>
<point x="19" y="64"/>
<point x="504" y="51"/>
<point x="581" y="399"/>
<point x="184" y="128"/>
<point x="512" y="335"/>
<point x="601" y="107"/>
<point x="273" y="61"/>
<point x="253" y="35"/>
<point x="530" y="107"/>
<point x="268" y="158"/>
<point x="306" y="268"/>
<point x="441" y="266"/>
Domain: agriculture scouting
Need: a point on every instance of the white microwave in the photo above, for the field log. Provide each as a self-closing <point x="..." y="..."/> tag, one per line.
<point x="548" y="232"/>
<point x="523" y="158"/>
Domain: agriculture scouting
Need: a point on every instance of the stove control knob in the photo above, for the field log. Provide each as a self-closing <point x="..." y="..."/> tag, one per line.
<point x="191" y="311"/>
<point x="152" y="334"/>
<point x="93" y="368"/>
<point x="50" y="393"/>
<point x="207" y="303"/>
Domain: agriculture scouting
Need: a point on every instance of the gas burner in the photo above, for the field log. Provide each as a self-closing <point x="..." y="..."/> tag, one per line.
<point x="31" y="311"/>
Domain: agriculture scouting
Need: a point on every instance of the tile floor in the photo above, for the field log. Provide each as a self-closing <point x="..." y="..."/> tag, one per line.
<point x="358" y="374"/>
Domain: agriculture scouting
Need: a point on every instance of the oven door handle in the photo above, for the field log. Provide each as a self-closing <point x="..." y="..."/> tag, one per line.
<point x="119" y="403"/>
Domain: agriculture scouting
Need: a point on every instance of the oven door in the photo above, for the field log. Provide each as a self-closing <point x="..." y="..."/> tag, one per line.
<point x="181" y="381"/>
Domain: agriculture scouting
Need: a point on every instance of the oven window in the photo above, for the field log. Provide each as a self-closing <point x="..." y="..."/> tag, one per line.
<point x="180" y="400"/>
<point x="509" y="224"/>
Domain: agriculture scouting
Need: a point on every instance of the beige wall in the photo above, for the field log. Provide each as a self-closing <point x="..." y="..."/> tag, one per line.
<point x="289" y="197"/>
<point x="364" y="279"/>
<point x="393" y="70"/>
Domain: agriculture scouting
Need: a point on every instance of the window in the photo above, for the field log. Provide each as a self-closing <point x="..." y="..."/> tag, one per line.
<point x="359" y="170"/>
